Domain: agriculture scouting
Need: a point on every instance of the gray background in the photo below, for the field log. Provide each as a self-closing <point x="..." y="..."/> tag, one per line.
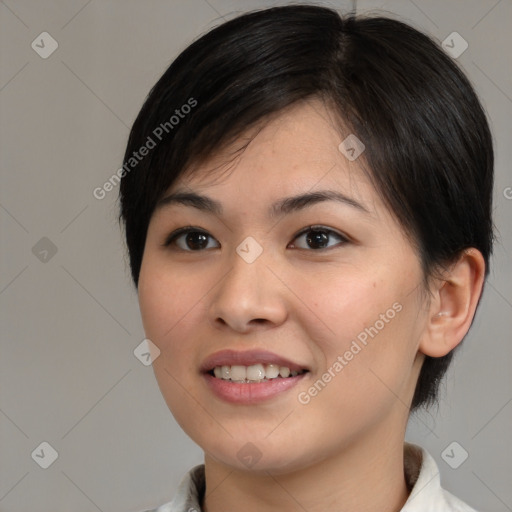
<point x="70" y="320"/>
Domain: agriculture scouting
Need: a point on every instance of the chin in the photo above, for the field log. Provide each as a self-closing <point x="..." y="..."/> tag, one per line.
<point x="258" y="457"/>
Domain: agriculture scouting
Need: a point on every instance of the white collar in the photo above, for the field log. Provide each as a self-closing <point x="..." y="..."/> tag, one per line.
<point x="421" y="474"/>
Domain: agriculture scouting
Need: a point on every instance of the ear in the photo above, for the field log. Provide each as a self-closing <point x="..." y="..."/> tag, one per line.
<point x="453" y="305"/>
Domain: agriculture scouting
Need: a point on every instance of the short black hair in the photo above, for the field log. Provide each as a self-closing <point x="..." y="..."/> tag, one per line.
<point x="428" y="146"/>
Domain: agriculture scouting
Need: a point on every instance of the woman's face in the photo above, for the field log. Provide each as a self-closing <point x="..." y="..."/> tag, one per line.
<point x="253" y="290"/>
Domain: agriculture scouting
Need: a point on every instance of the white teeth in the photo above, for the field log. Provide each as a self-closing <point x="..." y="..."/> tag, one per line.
<point x="271" y="371"/>
<point x="285" y="372"/>
<point x="238" y="373"/>
<point x="226" y="372"/>
<point x="254" y="373"/>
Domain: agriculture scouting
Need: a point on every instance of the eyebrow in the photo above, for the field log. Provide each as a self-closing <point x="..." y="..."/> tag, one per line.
<point x="279" y="208"/>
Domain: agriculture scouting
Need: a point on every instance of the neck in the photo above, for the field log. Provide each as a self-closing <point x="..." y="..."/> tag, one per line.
<point x="366" y="476"/>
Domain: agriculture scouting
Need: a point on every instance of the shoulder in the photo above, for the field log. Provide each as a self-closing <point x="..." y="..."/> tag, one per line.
<point x="427" y="495"/>
<point x="420" y="469"/>
<point x="189" y="494"/>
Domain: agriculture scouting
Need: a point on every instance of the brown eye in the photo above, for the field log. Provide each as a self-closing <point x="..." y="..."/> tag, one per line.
<point x="189" y="239"/>
<point x="318" y="238"/>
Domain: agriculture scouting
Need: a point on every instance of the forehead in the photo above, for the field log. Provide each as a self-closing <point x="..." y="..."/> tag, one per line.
<point x="293" y="151"/>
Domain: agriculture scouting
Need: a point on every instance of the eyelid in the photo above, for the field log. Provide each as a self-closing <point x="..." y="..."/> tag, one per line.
<point x="177" y="232"/>
<point x="320" y="227"/>
<point x="312" y="227"/>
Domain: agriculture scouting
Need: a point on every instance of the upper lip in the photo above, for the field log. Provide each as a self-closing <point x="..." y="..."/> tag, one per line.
<point x="247" y="358"/>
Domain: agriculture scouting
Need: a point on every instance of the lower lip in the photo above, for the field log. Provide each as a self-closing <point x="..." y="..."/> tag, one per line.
<point x="250" y="393"/>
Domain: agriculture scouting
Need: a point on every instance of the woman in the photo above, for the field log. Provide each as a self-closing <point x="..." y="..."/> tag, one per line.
<point x="307" y="206"/>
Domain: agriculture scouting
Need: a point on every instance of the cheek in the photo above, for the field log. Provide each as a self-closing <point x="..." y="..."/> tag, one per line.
<point x="364" y="330"/>
<point x="343" y="304"/>
<point x="171" y="308"/>
<point x="168" y="301"/>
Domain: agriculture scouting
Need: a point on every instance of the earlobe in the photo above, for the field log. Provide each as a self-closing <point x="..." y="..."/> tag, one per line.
<point x="454" y="304"/>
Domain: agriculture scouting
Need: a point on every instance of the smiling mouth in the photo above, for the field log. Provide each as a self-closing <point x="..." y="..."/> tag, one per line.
<point x="254" y="373"/>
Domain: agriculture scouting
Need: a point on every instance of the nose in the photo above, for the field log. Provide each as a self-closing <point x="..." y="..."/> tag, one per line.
<point x="249" y="297"/>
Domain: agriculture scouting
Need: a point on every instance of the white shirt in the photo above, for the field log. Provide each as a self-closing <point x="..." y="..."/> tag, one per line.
<point x="420" y="469"/>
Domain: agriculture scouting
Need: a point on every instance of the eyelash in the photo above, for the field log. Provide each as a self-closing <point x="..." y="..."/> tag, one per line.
<point x="171" y="239"/>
